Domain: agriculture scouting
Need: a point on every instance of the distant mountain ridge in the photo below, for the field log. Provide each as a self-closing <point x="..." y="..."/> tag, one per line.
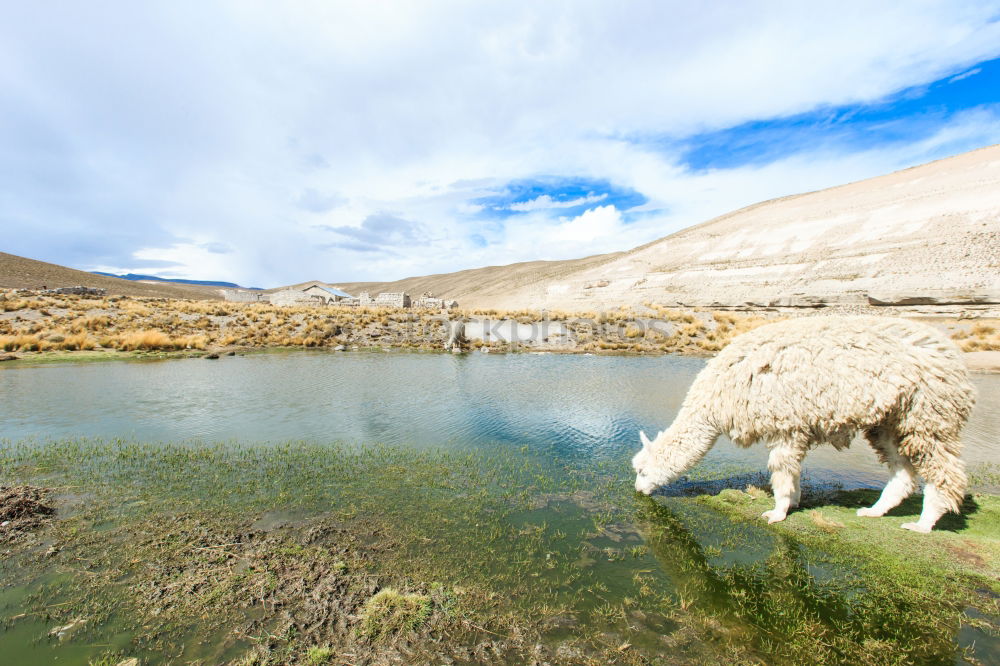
<point x="136" y="277"/>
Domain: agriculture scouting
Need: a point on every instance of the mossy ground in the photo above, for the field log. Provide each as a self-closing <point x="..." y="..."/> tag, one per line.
<point x="273" y="554"/>
<point x="965" y="545"/>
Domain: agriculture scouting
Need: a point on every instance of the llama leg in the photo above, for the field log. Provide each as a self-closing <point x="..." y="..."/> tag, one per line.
<point x="937" y="461"/>
<point x="935" y="506"/>
<point x="785" y="463"/>
<point x="796" y="489"/>
<point x="902" y="479"/>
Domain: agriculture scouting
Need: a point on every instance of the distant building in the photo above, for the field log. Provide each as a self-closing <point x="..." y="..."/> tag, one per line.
<point x="293" y="297"/>
<point x="365" y="299"/>
<point x="245" y="296"/>
<point x="393" y="299"/>
<point x="328" y="295"/>
<point x="428" y="301"/>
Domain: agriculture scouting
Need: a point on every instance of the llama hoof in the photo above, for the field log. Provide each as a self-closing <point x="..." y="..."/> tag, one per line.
<point x="869" y="512"/>
<point x="916" y="527"/>
<point x="773" y="516"/>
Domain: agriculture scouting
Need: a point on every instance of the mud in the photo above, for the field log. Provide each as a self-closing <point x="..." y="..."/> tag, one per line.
<point x="22" y="509"/>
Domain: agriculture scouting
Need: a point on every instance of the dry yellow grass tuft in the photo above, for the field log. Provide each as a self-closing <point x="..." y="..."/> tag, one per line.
<point x="145" y="340"/>
<point x="981" y="336"/>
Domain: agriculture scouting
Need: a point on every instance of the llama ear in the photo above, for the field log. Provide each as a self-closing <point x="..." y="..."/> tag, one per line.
<point x="645" y="440"/>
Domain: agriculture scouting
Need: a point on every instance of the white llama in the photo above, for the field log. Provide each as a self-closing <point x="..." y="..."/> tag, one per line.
<point x="818" y="380"/>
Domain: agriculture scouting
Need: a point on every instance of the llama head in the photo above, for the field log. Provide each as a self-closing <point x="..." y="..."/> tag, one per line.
<point x="650" y="472"/>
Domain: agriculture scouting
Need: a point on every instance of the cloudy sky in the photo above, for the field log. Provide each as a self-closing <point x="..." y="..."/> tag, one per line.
<point x="269" y="143"/>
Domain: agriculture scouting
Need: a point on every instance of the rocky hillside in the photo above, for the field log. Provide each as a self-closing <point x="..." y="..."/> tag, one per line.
<point x="929" y="234"/>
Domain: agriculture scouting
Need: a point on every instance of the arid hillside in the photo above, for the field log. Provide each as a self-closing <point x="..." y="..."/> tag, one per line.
<point x="481" y="287"/>
<point x="925" y="235"/>
<point x="21" y="273"/>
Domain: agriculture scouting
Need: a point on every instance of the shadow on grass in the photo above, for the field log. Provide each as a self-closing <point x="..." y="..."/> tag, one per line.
<point x="910" y="507"/>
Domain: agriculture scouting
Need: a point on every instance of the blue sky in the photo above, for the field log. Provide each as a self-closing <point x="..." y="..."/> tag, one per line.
<point x="903" y="117"/>
<point x="272" y="143"/>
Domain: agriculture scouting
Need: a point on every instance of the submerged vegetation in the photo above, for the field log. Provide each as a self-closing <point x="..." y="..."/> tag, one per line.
<point x="307" y="553"/>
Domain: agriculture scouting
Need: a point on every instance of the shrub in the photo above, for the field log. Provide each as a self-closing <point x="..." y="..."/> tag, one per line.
<point x="145" y="340"/>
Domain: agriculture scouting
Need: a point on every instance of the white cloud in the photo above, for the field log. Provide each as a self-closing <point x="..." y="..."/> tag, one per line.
<point x="132" y="128"/>
<point x="595" y="224"/>
<point x="546" y="202"/>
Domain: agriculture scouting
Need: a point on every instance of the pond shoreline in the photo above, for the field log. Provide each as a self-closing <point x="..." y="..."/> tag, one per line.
<point x="42" y="327"/>
<point x="987" y="362"/>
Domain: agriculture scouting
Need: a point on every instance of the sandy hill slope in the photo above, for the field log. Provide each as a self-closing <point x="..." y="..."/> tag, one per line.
<point x="20" y="273"/>
<point x="926" y="234"/>
<point x="484" y="286"/>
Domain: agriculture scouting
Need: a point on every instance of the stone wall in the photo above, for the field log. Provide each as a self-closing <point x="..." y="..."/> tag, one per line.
<point x="396" y="299"/>
<point x="244" y="296"/>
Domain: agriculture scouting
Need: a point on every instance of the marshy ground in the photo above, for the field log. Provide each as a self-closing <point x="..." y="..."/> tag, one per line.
<point x="322" y="553"/>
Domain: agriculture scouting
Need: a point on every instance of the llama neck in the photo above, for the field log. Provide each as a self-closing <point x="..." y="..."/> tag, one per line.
<point x="685" y="442"/>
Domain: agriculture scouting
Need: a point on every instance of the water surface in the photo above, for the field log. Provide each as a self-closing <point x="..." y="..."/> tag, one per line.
<point x="577" y="405"/>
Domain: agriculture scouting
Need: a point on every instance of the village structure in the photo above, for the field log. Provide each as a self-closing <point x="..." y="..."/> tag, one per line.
<point x="318" y="293"/>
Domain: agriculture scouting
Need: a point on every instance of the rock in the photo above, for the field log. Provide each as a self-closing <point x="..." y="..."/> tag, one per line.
<point x="339" y="348"/>
<point x="7" y="357"/>
<point x="799" y="301"/>
<point x="134" y="661"/>
<point x="61" y="632"/>
<point x="211" y="356"/>
<point x="563" y="621"/>
<point x="935" y="297"/>
<point x="232" y="353"/>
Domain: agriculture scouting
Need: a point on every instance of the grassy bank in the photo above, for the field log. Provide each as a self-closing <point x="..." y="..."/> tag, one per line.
<point x="32" y="324"/>
<point x="53" y="327"/>
<point x="323" y="553"/>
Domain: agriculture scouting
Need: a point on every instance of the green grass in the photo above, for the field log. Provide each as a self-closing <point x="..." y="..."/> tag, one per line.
<point x="317" y="655"/>
<point x="390" y="612"/>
